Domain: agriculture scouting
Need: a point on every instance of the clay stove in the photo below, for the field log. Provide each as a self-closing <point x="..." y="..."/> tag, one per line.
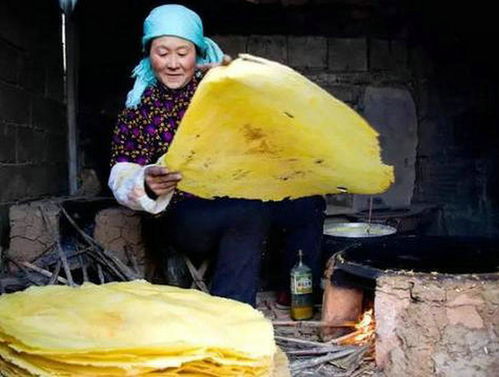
<point x="436" y="304"/>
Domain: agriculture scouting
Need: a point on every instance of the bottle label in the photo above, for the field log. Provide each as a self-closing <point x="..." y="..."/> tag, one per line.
<point x="301" y="284"/>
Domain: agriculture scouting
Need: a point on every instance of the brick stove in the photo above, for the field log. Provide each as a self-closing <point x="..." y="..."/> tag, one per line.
<point x="436" y="303"/>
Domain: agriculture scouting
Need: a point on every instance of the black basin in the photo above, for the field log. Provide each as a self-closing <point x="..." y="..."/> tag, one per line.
<point x="419" y="254"/>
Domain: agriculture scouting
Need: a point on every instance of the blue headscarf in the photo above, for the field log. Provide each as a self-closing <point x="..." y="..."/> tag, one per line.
<point x="177" y="21"/>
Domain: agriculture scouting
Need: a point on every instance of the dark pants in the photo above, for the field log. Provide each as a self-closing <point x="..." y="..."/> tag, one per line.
<point x="298" y="225"/>
<point x="234" y="232"/>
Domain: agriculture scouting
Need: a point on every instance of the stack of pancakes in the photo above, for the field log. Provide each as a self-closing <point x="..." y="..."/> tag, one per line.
<point x="132" y="329"/>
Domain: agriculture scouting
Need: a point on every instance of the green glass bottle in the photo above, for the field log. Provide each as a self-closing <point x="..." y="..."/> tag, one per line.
<point x="302" y="300"/>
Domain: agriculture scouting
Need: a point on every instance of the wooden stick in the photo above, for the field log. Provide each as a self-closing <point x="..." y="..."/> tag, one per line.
<point x="80" y="252"/>
<point x="319" y="350"/>
<point x="299" y="365"/>
<point x="123" y="269"/>
<point x="101" y="261"/>
<point x="360" y="371"/>
<point x="300" y="341"/>
<point x="352" y="362"/>
<point x="43" y="272"/>
<point x="85" y="236"/>
<point x="100" y="258"/>
<point x="83" y="267"/>
<point x="196" y="276"/>
<point x="100" y="273"/>
<point x="55" y="274"/>
<point x="204" y="267"/>
<point x="348" y="336"/>
<point x="55" y="233"/>
<point x="65" y="265"/>
<point x="51" y="258"/>
<point x="313" y="324"/>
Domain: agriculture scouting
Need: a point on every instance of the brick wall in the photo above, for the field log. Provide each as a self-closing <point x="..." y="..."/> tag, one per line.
<point x="343" y="66"/>
<point x="32" y="113"/>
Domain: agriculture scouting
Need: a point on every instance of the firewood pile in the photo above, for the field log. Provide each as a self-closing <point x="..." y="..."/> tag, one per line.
<point x="351" y="354"/>
<point x="316" y="358"/>
<point x="82" y="261"/>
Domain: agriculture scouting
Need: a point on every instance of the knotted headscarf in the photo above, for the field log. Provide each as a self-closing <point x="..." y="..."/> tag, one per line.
<point x="177" y="21"/>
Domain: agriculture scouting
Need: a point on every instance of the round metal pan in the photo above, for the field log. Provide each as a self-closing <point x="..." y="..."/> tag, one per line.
<point x="358" y="230"/>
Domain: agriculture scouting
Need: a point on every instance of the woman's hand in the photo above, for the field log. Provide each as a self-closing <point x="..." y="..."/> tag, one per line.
<point x="225" y="61"/>
<point x="160" y="180"/>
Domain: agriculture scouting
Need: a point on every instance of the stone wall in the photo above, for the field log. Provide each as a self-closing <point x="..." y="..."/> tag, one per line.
<point x="437" y="324"/>
<point x="32" y="113"/>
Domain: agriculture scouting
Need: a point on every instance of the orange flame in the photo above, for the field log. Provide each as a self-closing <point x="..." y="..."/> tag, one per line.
<point x="364" y="331"/>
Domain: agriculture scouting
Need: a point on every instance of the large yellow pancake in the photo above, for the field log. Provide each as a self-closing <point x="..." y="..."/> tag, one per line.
<point x="257" y="129"/>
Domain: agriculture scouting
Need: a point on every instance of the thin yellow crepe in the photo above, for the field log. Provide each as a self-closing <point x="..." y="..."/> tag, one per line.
<point x="133" y="328"/>
<point x="257" y="129"/>
<point x="280" y="369"/>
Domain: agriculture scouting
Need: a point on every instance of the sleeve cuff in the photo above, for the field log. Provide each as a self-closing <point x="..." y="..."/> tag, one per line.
<point x="128" y="186"/>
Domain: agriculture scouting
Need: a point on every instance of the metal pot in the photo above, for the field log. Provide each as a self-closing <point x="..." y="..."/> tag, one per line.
<point x="358" y="230"/>
<point x="339" y="237"/>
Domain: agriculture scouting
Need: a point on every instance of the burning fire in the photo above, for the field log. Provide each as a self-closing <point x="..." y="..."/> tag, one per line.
<point x="364" y="331"/>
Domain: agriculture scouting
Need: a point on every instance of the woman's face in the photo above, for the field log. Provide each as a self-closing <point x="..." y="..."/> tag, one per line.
<point x="173" y="60"/>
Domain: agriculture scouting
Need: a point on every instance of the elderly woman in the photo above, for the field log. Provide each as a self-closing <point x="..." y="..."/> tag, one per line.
<point x="232" y="230"/>
<point x="165" y="81"/>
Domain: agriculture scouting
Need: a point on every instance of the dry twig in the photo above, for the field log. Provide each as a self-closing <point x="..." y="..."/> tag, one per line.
<point x="197" y="275"/>
<point x="55" y="274"/>
<point x="299" y="365"/>
<point x="299" y="341"/>
<point x="318" y="350"/>
<point x="83" y="265"/>
<point x="312" y="324"/>
<point x="117" y="267"/>
<point x="100" y="274"/>
<point x="43" y="272"/>
<point x="56" y="235"/>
